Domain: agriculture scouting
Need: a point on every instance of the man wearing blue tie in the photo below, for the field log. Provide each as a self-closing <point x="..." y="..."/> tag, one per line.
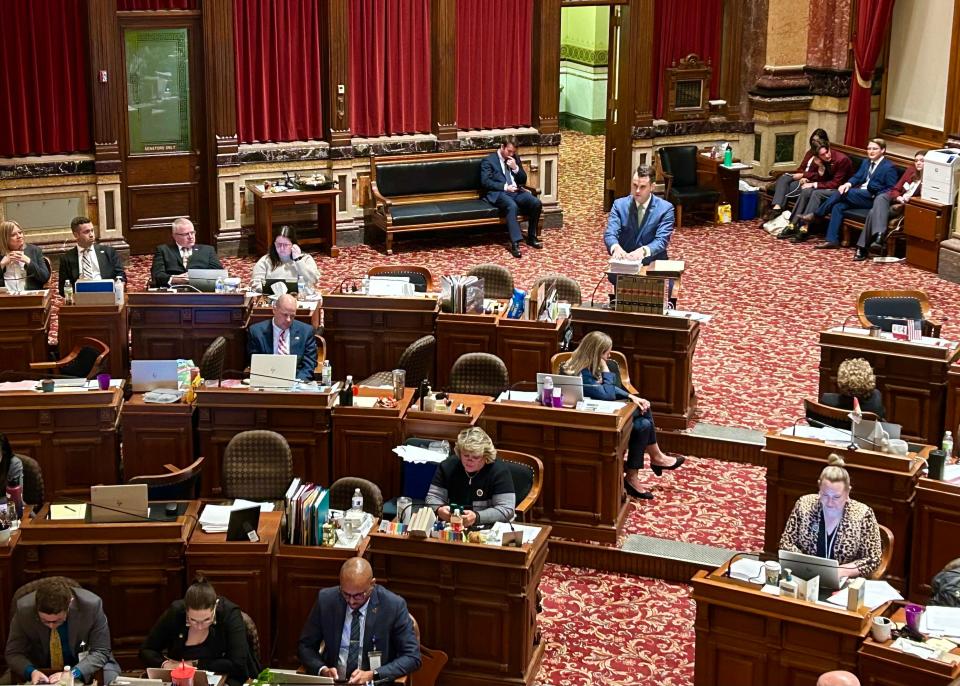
<point x="282" y="334"/>
<point x="640" y="225"/>
<point x="876" y="175"/>
<point x="502" y="178"/>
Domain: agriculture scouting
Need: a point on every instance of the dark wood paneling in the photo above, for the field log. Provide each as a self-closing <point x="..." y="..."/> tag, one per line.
<point x="105" y="323"/>
<point x="443" y="69"/>
<point x="936" y="520"/>
<point x="24" y="323"/>
<point x="336" y="57"/>
<point x="545" y="70"/>
<point x="104" y="37"/>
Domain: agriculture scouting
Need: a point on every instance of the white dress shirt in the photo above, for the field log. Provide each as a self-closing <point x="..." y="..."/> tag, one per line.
<point x="15" y="277"/>
<point x="95" y="274"/>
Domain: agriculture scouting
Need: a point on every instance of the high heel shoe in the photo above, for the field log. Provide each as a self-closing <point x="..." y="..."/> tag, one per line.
<point x="658" y="470"/>
<point x="633" y="492"/>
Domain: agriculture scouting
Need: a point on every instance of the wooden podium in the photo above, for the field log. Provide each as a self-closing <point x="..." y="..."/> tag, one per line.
<point x="475" y="602"/>
<point x="325" y="201"/>
<point x="750" y="638"/>
<point x="582" y="453"/>
<point x="884" y="482"/>
<point x="107" y="323"/>
<point x="936" y="528"/>
<point x="659" y="350"/>
<point x="368" y="333"/>
<point x="303" y="418"/>
<point x="459" y="334"/>
<point x="911" y="376"/>
<point x="443" y="426"/>
<point x="155" y="435"/>
<point x="168" y="326"/>
<point x="137" y="568"/>
<point x="24" y="326"/>
<point x="73" y="435"/>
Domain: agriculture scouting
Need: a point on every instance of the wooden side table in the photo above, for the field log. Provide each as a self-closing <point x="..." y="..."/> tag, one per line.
<point x="326" y="202"/>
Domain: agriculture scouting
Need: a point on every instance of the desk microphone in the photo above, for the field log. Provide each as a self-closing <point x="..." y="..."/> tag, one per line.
<point x="843" y="327"/>
<point x="595" y="288"/>
<point x="176" y="288"/>
<point x="853" y="437"/>
<point x="123" y="512"/>
<point x="513" y="386"/>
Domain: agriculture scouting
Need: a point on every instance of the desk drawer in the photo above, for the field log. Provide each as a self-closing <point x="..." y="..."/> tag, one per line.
<point x="924" y="223"/>
<point x="923" y="254"/>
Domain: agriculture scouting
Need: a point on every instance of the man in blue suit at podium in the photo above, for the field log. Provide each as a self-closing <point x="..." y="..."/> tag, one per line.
<point x="282" y="334"/>
<point x="640" y="225"/>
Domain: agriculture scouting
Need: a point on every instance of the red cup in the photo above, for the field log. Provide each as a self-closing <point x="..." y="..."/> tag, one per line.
<point x="183" y="675"/>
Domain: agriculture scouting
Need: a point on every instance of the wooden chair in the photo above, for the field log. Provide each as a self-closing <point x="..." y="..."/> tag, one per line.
<point x="527" y="473"/>
<point x="678" y="165"/>
<point x="86" y="360"/>
<point x="211" y="364"/>
<point x="479" y="374"/>
<point x="432" y="662"/>
<point x="321" y="354"/>
<point x="341" y="493"/>
<point x="497" y="280"/>
<point x="567" y="288"/>
<point x="886" y="543"/>
<point x="832" y="416"/>
<point x="420" y="277"/>
<point x="175" y="484"/>
<point x="257" y="465"/>
<point x="418" y="361"/>
<point x="616" y="357"/>
<point x="883" y="307"/>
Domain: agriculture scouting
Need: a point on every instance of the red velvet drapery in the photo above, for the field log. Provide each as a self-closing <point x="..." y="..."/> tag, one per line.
<point x="873" y="20"/>
<point x="682" y="27"/>
<point x="127" y="5"/>
<point x="278" y="67"/>
<point x="44" y="78"/>
<point x="389" y="66"/>
<point x="493" y="63"/>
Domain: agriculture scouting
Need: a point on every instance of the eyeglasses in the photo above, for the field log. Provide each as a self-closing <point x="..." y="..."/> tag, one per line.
<point x="354" y="596"/>
<point x="186" y="233"/>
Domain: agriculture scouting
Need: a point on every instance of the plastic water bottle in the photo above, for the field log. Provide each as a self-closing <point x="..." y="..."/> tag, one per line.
<point x="68" y="292"/>
<point x="546" y="396"/>
<point x="728" y="156"/>
<point x="356" y="502"/>
<point x="302" y="286"/>
<point x="947" y="444"/>
<point x="67" y="677"/>
<point x="326" y="374"/>
<point x="118" y="291"/>
<point x="219" y="286"/>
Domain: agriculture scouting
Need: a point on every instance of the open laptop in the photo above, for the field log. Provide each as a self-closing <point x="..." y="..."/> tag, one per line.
<point x="94" y="292"/>
<point x="808" y="566"/>
<point x="206" y="279"/>
<point x="273" y="371"/>
<point x="147" y="375"/>
<point x="122" y="503"/>
<point x="571" y="387"/>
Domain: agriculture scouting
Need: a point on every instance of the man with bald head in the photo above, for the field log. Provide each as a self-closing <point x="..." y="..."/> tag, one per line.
<point x="838" y="678"/>
<point x="366" y="631"/>
<point x="282" y="334"/>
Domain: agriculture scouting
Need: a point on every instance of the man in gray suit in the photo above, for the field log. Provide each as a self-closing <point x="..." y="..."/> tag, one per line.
<point x="58" y="626"/>
<point x="366" y="630"/>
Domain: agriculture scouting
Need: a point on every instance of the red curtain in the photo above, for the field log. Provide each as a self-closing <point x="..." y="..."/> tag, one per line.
<point x="44" y="78"/>
<point x="873" y="20"/>
<point x="128" y="5"/>
<point x="278" y="70"/>
<point x="389" y="66"/>
<point x="493" y="63"/>
<point x="682" y="27"/>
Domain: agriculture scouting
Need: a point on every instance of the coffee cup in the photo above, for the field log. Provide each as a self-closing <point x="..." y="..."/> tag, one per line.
<point x="935" y="462"/>
<point x="771" y="572"/>
<point x="880" y="629"/>
<point x="47" y="385"/>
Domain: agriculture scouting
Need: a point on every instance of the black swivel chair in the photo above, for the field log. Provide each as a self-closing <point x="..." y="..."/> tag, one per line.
<point x="678" y="163"/>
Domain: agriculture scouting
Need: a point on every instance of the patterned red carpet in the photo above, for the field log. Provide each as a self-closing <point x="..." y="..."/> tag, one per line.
<point x="756" y="361"/>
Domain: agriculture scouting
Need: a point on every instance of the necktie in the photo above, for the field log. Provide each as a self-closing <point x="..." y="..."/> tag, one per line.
<point x="185" y="254"/>
<point x="634" y="219"/>
<point x="353" y="654"/>
<point x="507" y="174"/>
<point x="282" y="343"/>
<point x="641" y="213"/>
<point x="56" y="650"/>
<point x="88" y="269"/>
<point x="873" y="166"/>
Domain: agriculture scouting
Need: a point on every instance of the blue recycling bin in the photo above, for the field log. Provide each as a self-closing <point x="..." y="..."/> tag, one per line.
<point x="749" y="202"/>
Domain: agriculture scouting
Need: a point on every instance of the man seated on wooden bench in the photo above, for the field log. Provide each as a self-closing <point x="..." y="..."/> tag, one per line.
<point x="837" y="169"/>
<point x="890" y="204"/>
<point x="502" y="177"/>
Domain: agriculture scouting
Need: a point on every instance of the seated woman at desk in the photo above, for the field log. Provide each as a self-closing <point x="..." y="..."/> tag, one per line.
<point x="829" y="524"/>
<point x="22" y="265"/>
<point x="474" y="482"/>
<point x="285" y="261"/>
<point x="204" y="629"/>
<point x="601" y="381"/>
<point x="855" y="379"/>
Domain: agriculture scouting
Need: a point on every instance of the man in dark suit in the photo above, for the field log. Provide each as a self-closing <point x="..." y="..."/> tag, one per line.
<point x="89" y="261"/>
<point x="502" y="177"/>
<point x="876" y="175"/>
<point x="284" y="335"/>
<point x="171" y="261"/>
<point x="640" y="225"/>
<point x="58" y="626"/>
<point x="353" y="620"/>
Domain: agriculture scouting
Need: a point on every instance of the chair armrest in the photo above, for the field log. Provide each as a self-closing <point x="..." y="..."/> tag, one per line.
<point x="171" y="467"/>
<point x="531" y="189"/>
<point x="668" y="183"/>
<point x="44" y="365"/>
<point x="378" y="198"/>
<point x="629" y="388"/>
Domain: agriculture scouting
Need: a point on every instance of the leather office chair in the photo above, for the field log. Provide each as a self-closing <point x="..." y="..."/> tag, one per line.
<point x="341" y="493"/>
<point x="257" y="465"/>
<point x="86" y="360"/>
<point x="678" y="164"/>
<point x="616" y="357"/>
<point x="886" y="544"/>
<point x="567" y="288"/>
<point x="31" y="586"/>
<point x="321" y="354"/>
<point x="175" y="484"/>
<point x="211" y="364"/>
<point x="497" y="280"/>
<point x="418" y="360"/>
<point x="527" y="474"/>
<point x="420" y="277"/>
<point x="884" y="308"/>
<point x="479" y="374"/>
<point x="32" y="482"/>
<point x="832" y="416"/>
<point x="253" y="636"/>
<point x="432" y="662"/>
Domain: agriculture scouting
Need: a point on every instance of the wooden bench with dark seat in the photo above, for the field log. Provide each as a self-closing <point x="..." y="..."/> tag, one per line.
<point x="430" y="192"/>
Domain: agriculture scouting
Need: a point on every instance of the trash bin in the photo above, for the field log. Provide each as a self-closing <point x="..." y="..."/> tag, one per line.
<point x="749" y="202"/>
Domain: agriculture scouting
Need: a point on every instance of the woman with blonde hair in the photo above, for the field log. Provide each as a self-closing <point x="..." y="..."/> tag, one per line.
<point x="22" y="265"/>
<point x="855" y="379"/>
<point x="829" y="524"/>
<point x="601" y="381"/>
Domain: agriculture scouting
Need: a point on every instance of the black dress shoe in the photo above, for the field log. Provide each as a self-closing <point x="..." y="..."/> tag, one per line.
<point x="801" y="237"/>
<point x="534" y="243"/>
<point x="827" y="246"/>
<point x="515" y="249"/>
<point x="789" y="231"/>
<point x="634" y="493"/>
<point x="860" y="255"/>
<point x="658" y="470"/>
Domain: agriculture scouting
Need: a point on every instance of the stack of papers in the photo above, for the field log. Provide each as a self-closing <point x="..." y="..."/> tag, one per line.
<point x="415" y="455"/>
<point x="940" y="621"/>
<point x="876" y="593"/>
<point x="215" y="518"/>
<point x="748" y="569"/>
<point x="602" y="406"/>
<point x="529" y="532"/>
<point x="519" y="396"/>
<point x="827" y="434"/>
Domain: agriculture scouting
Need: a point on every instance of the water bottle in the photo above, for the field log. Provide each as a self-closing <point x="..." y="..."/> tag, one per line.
<point x="302" y="287"/>
<point x="118" y="291"/>
<point x="219" y="287"/>
<point x="68" y="292"/>
<point x="365" y="287"/>
<point x="728" y="156"/>
<point x="67" y="677"/>
<point x="948" y="444"/>
<point x="356" y="502"/>
<point x="546" y="396"/>
<point x="326" y="373"/>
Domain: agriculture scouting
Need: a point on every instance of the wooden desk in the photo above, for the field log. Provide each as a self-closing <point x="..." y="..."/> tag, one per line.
<point x="24" y="326"/>
<point x="750" y="638"/>
<point x="659" y="350"/>
<point x="10" y="564"/>
<point x="137" y="568"/>
<point x="154" y="435"/>
<point x="107" y="323"/>
<point x="443" y="426"/>
<point x="582" y="453"/>
<point x="925" y="224"/>
<point x="912" y="378"/>
<point x="167" y="326"/>
<point x="263" y="310"/>
<point x="936" y="529"/>
<point x="326" y="203"/>
<point x="712" y="174"/>
<point x="475" y="602"/>
<point x="364" y="439"/>
<point x="459" y="334"/>
<point x="72" y="435"/>
<point x="368" y="333"/>
<point x="883" y="665"/>
<point x="952" y="420"/>
<point x="301" y="418"/>
<point x="242" y="571"/>
<point x="884" y="482"/>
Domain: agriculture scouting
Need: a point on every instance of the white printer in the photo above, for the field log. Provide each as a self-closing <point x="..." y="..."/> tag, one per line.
<point x="941" y="175"/>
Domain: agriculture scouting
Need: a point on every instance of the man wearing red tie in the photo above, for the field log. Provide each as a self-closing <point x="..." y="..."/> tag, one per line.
<point x="284" y="335"/>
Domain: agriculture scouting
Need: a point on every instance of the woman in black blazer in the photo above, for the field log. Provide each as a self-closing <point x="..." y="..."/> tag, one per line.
<point x="22" y="265"/>
<point x="203" y="629"/>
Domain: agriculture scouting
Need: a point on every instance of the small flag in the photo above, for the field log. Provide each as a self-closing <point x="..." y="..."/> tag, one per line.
<point x="857" y="414"/>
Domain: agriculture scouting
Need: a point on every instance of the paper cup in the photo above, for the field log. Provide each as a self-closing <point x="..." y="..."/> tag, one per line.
<point x="880" y="629"/>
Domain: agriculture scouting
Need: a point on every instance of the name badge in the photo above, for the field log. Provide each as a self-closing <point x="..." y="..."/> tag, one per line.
<point x="374" y="657"/>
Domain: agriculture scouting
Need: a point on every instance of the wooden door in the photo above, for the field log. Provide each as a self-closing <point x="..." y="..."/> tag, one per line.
<point x="164" y="141"/>
<point x="618" y="144"/>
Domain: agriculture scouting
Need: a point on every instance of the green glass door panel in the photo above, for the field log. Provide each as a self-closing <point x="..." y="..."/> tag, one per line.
<point x="158" y="90"/>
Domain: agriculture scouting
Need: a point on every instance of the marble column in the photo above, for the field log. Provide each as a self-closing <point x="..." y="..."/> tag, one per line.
<point x="828" y="65"/>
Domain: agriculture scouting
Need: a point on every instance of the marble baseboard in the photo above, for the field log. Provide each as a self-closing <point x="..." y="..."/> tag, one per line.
<point x="691" y="128"/>
<point x="34" y="170"/>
